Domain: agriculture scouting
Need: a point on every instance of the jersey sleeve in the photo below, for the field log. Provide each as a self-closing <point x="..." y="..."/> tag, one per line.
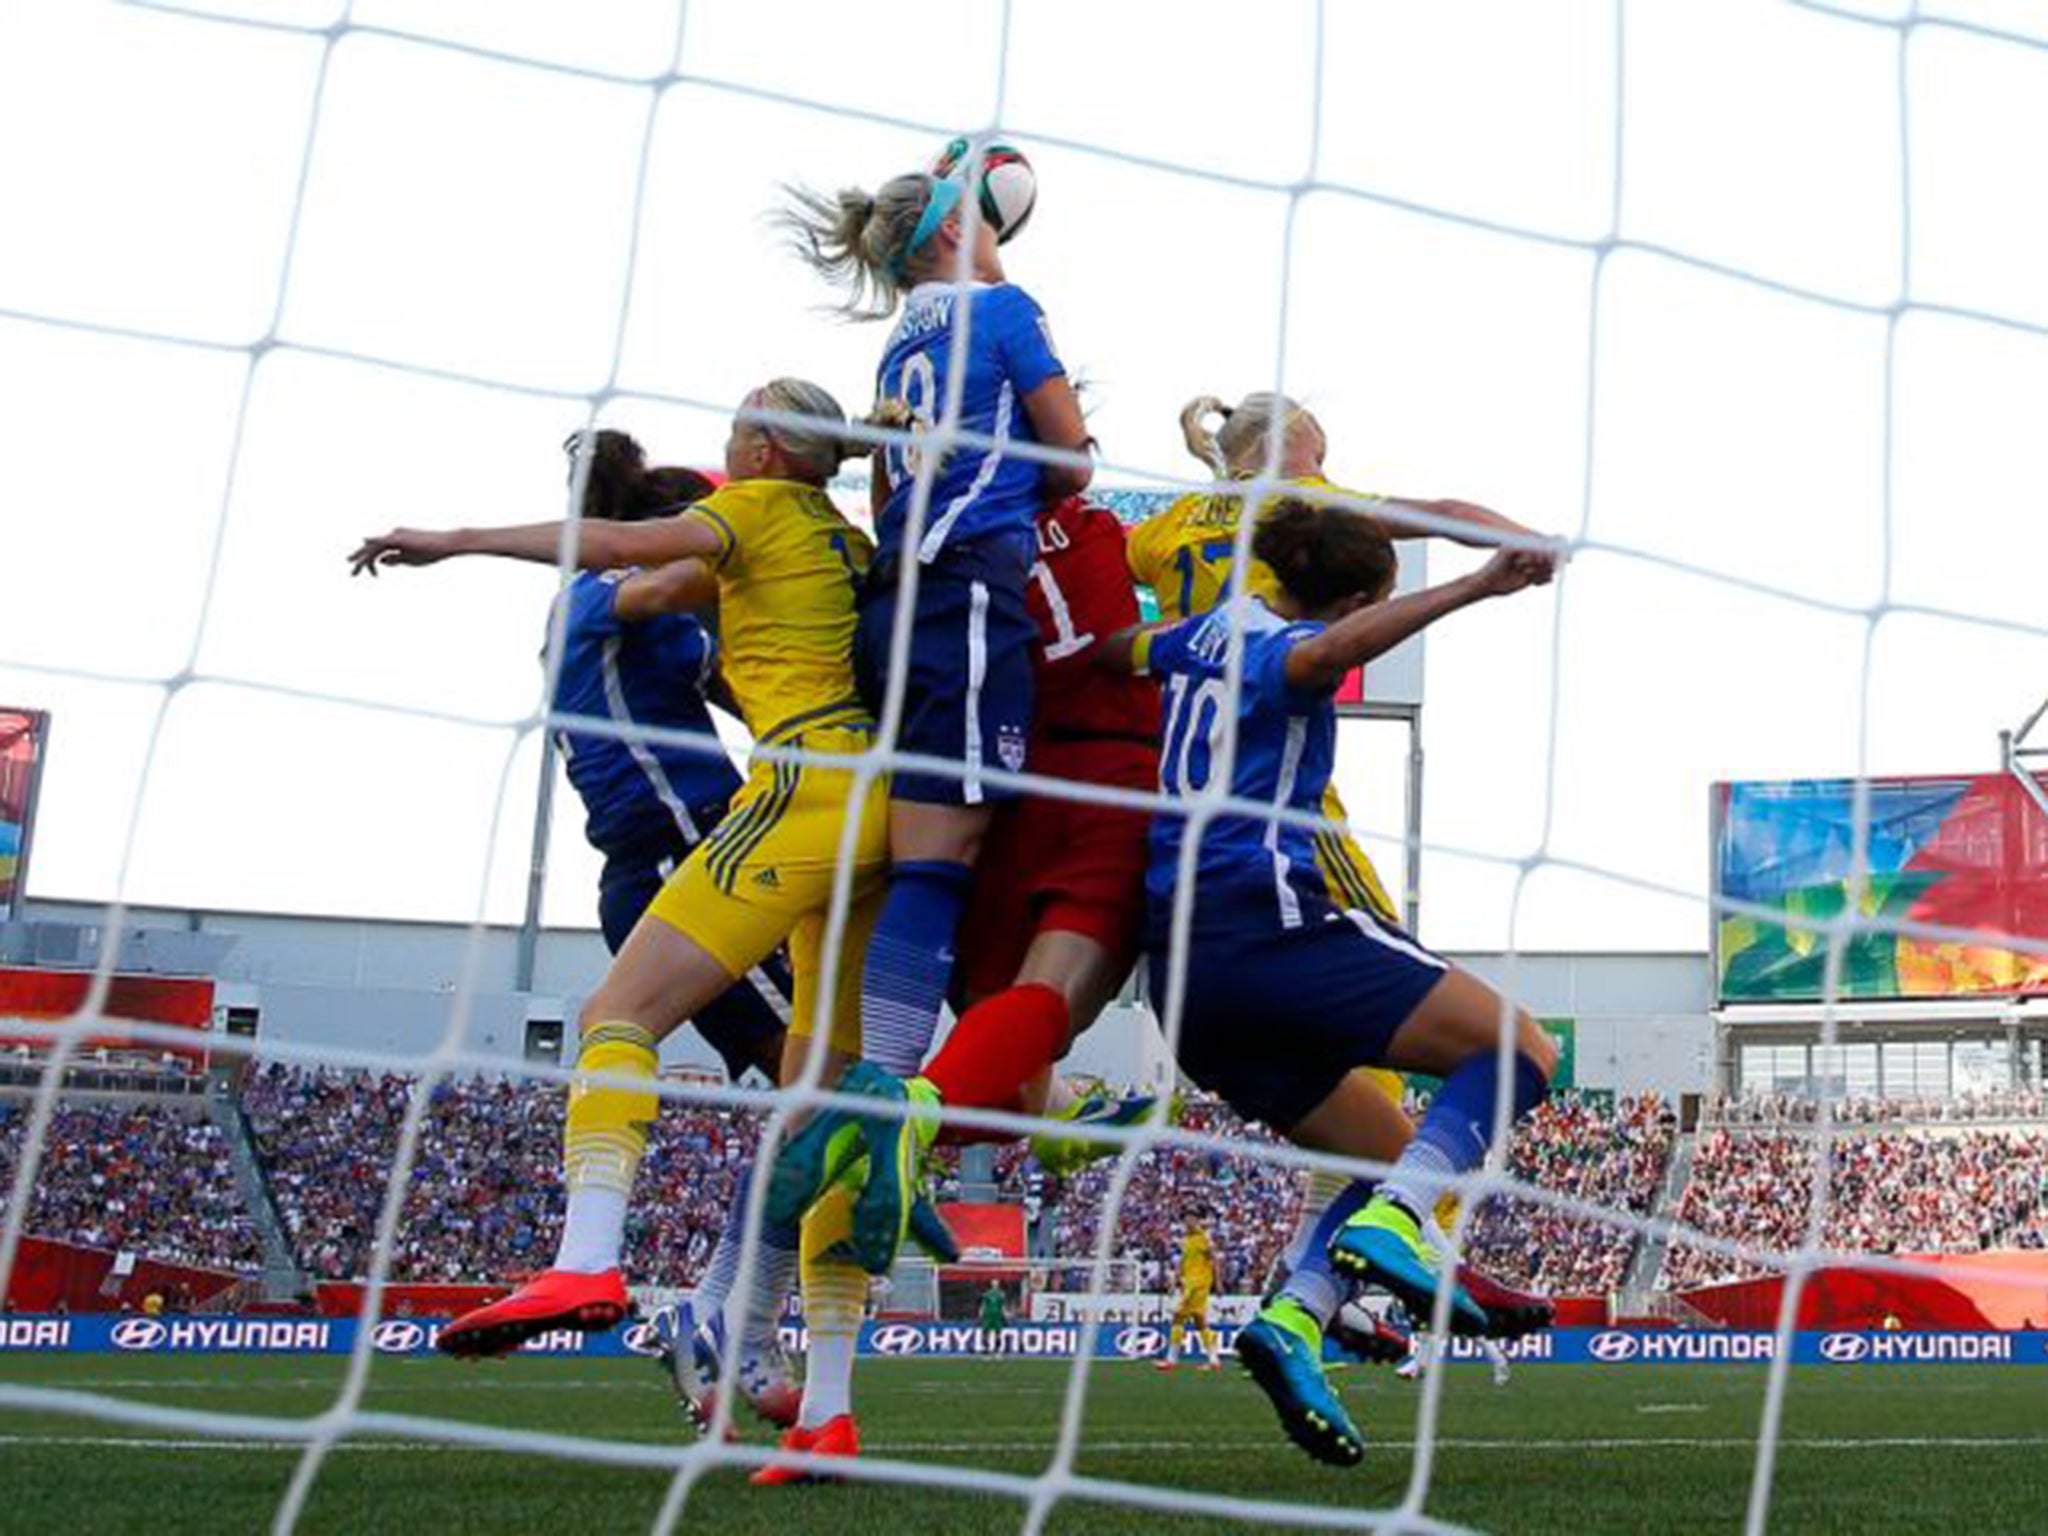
<point x="592" y="609"/>
<point x="1023" y="340"/>
<point x="1265" y="669"/>
<point x="1156" y="652"/>
<point x="728" y="514"/>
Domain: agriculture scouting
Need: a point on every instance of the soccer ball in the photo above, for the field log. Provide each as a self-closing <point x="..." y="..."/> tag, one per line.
<point x="1004" y="183"/>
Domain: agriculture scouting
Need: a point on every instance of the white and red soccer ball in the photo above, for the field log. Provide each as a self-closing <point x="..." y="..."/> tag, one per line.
<point x="999" y="176"/>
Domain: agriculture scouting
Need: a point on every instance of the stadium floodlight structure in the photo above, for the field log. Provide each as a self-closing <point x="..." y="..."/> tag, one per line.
<point x="2015" y="756"/>
<point x="339" y="46"/>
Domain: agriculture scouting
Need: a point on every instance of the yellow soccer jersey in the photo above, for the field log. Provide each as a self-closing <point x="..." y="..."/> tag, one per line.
<point x="1183" y="554"/>
<point x="788" y="567"/>
<point x="1197" y="1264"/>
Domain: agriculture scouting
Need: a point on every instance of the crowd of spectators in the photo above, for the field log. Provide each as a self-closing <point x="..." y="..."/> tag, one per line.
<point x="485" y="1200"/>
<point x="1891" y="1191"/>
<point x="2017" y="1104"/>
<point x="1609" y="1152"/>
<point x="149" y="1179"/>
<point x="1248" y="1205"/>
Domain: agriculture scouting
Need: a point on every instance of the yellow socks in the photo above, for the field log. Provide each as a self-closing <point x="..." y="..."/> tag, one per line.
<point x="603" y="1143"/>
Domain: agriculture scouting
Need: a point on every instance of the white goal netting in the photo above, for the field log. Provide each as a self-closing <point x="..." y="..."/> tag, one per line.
<point x="1738" y="299"/>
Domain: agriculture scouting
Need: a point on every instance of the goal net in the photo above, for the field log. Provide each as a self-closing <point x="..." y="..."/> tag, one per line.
<point x="1738" y="300"/>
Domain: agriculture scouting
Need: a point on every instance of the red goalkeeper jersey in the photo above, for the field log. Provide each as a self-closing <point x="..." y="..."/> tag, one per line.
<point x="1080" y="593"/>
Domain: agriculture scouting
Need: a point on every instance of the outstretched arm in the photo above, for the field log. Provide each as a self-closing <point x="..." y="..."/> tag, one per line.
<point x="1321" y="662"/>
<point x="671" y="588"/>
<point x="1471" y="524"/>
<point x="598" y="546"/>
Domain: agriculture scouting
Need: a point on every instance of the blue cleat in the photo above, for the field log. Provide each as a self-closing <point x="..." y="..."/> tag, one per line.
<point x="1282" y="1348"/>
<point x="1383" y="1245"/>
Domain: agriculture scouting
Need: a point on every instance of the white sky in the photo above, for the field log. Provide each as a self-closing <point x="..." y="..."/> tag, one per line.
<point x="473" y="216"/>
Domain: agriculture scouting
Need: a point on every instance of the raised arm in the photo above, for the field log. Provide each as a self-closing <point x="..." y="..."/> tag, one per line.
<point x="1321" y="663"/>
<point x="1056" y="421"/>
<point x="1471" y="522"/>
<point x="598" y="546"/>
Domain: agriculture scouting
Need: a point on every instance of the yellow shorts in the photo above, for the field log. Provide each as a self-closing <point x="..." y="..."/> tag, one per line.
<point x="1352" y="881"/>
<point x="1193" y="1307"/>
<point x="765" y="875"/>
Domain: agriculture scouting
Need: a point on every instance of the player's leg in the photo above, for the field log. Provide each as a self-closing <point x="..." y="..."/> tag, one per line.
<point x="1453" y="1032"/>
<point x="967" y="699"/>
<point x="1497" y="1358"/>
<point x="835" y="1300"/>
<point x="755" y="1312"/>
<point x="661" y="977"/>
<point x="1211" y="1345"/>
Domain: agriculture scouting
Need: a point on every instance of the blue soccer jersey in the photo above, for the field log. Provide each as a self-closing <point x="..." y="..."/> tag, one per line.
<point x="1286" y="746"/>
<point x="977" y="491"/>
<point x="650" y="673"/>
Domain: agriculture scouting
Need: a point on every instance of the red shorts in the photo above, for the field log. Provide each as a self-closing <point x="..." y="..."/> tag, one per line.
<point x="1068" y="866"/>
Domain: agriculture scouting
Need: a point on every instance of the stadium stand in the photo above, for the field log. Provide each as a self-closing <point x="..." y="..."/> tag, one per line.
<point x="152" y="1179"/>
<point x="1933" y="1189"/>
<point x="1607" y="1151"/>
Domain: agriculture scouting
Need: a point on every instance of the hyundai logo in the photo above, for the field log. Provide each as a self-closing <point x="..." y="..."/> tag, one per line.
<point x="1612" y="1347"/>
<point x="1844" y="1348"/>
<point x="1139" y="1343"/>
<point x="896" y="1339"/>
<point x="139" y="1333"/>
<point x="395" y="1337"/>
<point x="643" y="1339"/>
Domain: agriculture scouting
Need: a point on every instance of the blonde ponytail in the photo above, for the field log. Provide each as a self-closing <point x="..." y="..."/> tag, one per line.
<point x="1201" y="441"/>
<point x="857" y="240"/>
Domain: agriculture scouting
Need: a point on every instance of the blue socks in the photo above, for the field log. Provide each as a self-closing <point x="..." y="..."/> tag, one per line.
<point x="1311" y="1283"/>
<point x="1454" y="1135"/>
<point x="910" y="962"/>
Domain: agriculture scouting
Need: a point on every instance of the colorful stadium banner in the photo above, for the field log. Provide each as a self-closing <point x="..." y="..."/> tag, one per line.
<point x="1966" y="853"/>
<point x="228" y="1335"/>
<point x="24" y="737"/>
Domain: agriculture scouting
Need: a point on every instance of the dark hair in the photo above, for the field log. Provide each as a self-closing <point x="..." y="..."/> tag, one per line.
<point x="1324" y="554"/>
<point x="621" y="488"/>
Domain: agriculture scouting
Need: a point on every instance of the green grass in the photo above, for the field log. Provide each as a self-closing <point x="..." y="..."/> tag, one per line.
<point x="1580" y="1449"/>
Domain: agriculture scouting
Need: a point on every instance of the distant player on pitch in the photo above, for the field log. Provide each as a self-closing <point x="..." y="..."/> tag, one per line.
<point x="1191" y="1312"/>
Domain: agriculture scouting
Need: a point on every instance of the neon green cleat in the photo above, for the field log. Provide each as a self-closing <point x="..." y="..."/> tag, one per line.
<point x="1065" y="1155"/>
<point x="895" y="1181"/>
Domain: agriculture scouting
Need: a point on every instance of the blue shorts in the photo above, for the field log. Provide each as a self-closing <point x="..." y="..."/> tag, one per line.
<point x="1276" y="1017"/>
<point x="969" y="693"/>
<point x="745" y="1025"/>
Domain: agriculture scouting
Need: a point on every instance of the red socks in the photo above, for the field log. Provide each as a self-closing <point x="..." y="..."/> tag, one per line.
<point x="998" y="1045"/>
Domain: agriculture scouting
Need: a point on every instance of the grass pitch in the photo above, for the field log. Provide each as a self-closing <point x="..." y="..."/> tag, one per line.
<point x="1578" y="1449"/>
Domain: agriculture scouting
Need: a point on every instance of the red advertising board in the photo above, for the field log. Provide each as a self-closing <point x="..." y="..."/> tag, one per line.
<point x="184" y="1002"/>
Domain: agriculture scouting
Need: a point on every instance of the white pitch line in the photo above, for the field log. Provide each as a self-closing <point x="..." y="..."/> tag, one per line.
<point x="1203" y="1447"/>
